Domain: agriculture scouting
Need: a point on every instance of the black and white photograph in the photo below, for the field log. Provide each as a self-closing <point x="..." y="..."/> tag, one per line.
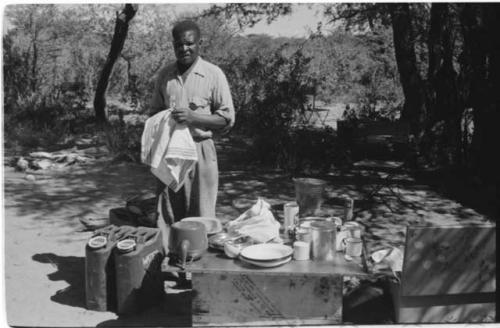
<point x="316" y="164"/>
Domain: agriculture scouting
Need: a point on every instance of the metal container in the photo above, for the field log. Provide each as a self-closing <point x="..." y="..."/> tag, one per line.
<point x="323" y="235"/>
<point x="354" y="229"/>
<point x="303" y="234"/>
<point x="139" y="280"/>
<point x="100" y="280"/>
<point x="309" y="195"/>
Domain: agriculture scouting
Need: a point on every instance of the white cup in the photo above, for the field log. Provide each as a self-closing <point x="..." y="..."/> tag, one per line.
<point x="301" y="250"/>
<point x="353" y="246"/>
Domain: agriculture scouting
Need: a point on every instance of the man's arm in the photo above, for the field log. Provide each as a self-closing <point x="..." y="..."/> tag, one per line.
<point x="198" y="120"/>
<point x="223" y="116"/>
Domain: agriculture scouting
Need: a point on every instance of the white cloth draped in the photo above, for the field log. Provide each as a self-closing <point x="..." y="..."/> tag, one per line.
<point x="169" y="149"/>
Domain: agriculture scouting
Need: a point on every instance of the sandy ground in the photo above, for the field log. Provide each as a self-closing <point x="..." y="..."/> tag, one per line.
<point x="44" y="240"/>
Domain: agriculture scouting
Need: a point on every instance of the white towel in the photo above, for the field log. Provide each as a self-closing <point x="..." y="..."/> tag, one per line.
<point x="155" y="137"/>
<point x="169" y="149"/>
<point x="257" y="223"/>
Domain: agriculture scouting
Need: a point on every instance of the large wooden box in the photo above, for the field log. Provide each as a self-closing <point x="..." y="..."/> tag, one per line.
<point x="448" y="275"/>
<point x="228" y="292"/>
<point x="253" y="299"/>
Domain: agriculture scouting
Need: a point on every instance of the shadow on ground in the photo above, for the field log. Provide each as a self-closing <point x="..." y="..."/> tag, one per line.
<point x="70" y="269"/>
<point x="58" y="200"/>
<point x="173" y="311"/>
<point x="369" y="303"/>
<point x="79" y="192"/>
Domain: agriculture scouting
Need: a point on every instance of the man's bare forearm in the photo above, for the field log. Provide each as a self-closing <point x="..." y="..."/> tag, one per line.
<point x="208" y="121"/>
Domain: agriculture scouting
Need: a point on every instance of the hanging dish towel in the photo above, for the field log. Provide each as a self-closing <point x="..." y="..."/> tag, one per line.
<point x="169" y="149"/>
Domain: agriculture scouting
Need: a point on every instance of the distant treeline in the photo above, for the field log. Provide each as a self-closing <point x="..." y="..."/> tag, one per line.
<point x="50" y="47"/>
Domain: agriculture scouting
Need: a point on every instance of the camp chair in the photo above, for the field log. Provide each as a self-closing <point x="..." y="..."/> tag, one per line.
<point x="382" y="150"/>
<point x="448" y="275"/>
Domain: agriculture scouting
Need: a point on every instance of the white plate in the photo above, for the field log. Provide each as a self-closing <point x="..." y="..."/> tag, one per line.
<point x="270" y="264"/>
<point x="266" y="252"/>
<point x="213" y="225"/>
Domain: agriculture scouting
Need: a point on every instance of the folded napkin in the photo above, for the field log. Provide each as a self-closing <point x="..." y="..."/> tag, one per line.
<point x="389" y="258"/>
<point x="257" y="223"/>
<point x="169" y="149"/>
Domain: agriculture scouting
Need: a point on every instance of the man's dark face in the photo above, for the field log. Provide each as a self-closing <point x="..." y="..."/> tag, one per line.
<point x="187" y="47"/>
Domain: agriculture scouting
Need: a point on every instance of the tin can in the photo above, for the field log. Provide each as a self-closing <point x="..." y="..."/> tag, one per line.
<point x="353" y="246"/>
<point x="353" y="229"/>
<point x="303" y="234"/>
<point x="323" y="235"/>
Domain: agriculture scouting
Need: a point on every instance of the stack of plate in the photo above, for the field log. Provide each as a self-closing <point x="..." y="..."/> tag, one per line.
<point x="266" y="255"/>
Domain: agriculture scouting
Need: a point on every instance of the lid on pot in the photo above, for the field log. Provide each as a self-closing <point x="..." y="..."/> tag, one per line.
<point x="188" y="225"/>
<point x="323" y="225"/>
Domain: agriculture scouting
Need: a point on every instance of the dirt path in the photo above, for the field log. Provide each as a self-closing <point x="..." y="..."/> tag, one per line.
<point x="44" y="240"/>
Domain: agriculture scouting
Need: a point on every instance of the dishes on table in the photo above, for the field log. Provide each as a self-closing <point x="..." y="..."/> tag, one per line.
<point x="212" y="225"/>
<point x="266" y="264"/>
<point x="233" y="247"/>
<point x="218" y="240"/>
<point x="266" y="253"/>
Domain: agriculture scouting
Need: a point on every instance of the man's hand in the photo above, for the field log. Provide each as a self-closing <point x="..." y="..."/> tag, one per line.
<point x="183" y="115"/>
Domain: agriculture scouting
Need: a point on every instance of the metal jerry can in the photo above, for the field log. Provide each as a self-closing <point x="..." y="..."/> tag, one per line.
<point x="138" y="258"/>
<point x="100" y="291"/>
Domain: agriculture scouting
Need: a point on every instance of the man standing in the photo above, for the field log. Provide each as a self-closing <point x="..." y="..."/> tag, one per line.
<point x="199" y="94"/>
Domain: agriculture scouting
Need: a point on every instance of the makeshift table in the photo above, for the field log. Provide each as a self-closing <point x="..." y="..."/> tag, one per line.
<point x="230" y="292"/>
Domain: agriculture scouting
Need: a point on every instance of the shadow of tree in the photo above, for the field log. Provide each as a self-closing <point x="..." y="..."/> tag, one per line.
<point x="83" y="191"/>
<point x="59" y="199"/>
<point x="70" y="269"/>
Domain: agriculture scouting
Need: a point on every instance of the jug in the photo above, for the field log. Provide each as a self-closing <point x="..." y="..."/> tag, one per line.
<point x="138" y="258"/>
<point x="100" y="289"/>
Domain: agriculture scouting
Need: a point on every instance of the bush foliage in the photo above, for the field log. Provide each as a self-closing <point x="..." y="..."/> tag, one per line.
<point x="49" y="47"/>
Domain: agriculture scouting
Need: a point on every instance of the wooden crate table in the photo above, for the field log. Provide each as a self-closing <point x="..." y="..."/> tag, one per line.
<point x="230" y="292"/>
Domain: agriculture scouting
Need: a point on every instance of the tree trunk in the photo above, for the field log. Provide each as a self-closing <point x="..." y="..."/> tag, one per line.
<point x="119" y="36"/>
<point x="481" y="64"/>
<point x="34" y="59"/>
<point x="414" y="109"/>
<point x="443" y="128"/>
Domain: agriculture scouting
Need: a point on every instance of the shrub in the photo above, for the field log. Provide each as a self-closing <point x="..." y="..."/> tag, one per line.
<point x="123" y="137"/>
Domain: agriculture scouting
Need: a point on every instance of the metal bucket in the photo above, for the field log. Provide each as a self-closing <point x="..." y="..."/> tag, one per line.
<point x="309" y="195"/>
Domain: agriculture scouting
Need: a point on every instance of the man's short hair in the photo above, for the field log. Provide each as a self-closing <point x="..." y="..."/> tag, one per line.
<point x="185" y="25"/>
